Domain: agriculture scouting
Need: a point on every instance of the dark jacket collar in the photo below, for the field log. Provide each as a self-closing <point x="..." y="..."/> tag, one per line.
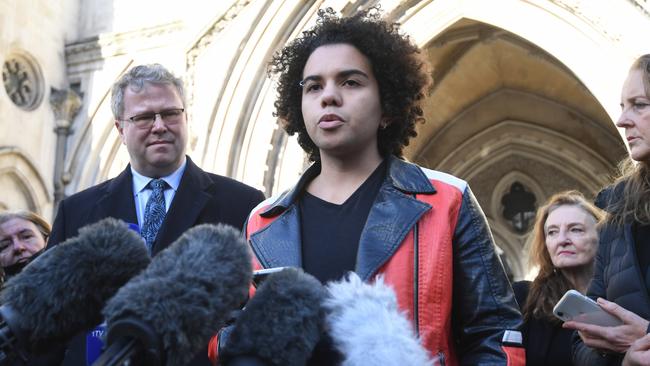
<point x="117" y="200"/>
<point x="391" y="217"/>
<point x="403" y="176"/>
<point x="189" y="200"/>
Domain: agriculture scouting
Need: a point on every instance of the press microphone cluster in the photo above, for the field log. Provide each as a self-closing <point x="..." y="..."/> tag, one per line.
<point x="294" y="321"/>
<point x="168" y="312"/>
<point x="63" y="291"/>
<point x="280" y="325"/>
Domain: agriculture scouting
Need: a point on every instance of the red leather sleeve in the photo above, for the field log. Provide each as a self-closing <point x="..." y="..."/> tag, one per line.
<point x="213" y="349"/>
<point x="516" y="355"/>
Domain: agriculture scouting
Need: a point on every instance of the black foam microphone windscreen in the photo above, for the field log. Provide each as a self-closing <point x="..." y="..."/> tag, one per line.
<point x="184" y="297"/>
<point x="282" y="323"/>
<point x="63" y="291"/>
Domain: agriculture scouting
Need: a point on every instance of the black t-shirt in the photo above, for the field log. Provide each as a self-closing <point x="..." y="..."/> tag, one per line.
<point x="642" y="242"/>
<point x="331" y="232"/>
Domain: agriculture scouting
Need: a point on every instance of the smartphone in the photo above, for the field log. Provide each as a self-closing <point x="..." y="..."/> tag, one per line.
<point x="578" y="307"/>
<point x="260" y="275"/>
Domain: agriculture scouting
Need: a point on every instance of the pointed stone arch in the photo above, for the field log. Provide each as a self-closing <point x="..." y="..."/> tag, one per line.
<point x="246" y="137"/>
<point x="23" y="186"/>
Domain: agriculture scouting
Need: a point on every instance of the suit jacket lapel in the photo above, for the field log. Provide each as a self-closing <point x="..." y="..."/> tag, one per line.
<point x="188" y="202"/>
<point x="118" y="200"/>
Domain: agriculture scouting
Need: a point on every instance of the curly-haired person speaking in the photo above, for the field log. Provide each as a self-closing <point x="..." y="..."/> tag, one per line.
<point x="351" y="88"/>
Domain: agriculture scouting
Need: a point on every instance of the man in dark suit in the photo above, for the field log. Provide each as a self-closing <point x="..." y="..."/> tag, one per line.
<point x="161" y="191"/>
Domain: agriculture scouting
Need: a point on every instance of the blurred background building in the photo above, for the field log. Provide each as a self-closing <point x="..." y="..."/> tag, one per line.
<point x="525" y="97"/>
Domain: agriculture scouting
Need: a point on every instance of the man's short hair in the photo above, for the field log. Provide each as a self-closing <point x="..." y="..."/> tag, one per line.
<point x="136" y="78"/>
<point x="401" y="74"/>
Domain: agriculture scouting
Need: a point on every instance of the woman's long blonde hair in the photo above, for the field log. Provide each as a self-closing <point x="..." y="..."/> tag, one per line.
<point x="551" y="283"/>
<point x="630" y="200"/>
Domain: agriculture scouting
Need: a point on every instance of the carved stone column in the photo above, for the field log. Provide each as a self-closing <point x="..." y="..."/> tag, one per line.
<point x="65" y="104"/>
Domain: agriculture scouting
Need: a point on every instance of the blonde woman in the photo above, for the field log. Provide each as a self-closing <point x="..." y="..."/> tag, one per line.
<point x="564" y="244"/>
<point x="622" y="272"/>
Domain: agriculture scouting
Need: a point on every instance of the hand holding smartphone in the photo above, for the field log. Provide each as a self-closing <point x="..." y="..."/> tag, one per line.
<point x="578" y="307"/>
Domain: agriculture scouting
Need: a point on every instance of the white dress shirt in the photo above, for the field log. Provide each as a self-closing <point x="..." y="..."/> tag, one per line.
<point x="141" y="192"/>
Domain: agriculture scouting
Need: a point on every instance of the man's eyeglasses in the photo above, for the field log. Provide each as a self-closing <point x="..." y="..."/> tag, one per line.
<point x="146" y="120"/>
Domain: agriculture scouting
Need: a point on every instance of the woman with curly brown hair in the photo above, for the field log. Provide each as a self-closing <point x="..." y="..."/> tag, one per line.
<point x="351" y="88"/>
<point x="621" y="282"/>
<point x="563" y="247"/>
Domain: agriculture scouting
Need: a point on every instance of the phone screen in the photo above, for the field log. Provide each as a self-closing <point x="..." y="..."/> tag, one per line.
<point x="260" y="275"/>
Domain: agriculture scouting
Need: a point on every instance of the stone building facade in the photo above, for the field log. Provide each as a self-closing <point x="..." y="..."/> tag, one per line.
<point x="525" y="96"/>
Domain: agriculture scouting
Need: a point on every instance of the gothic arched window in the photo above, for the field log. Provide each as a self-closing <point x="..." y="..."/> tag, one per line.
<point x="519" y="206"/>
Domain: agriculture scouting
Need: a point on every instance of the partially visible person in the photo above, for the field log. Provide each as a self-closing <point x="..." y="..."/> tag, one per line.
<point x="621" y="281"/>
<point x="162" y="191"/>
<point x="639" y="352"/>
<point x="564" y="244"/>
<point x="23" y="236"/>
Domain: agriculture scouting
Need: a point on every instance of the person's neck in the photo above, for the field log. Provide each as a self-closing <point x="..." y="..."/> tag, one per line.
<point x="155" y="173"/>
<point x="341" y="177"/>
<point x="579" y="277"/>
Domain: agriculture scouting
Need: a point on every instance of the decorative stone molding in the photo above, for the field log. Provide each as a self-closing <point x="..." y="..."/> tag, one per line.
<point x="501" y="189"/>
<point x="16" y="164"/>
<point x="204" y="41"/>
<point x="591" y="12"/>
<point x="22" y="80"/>
<point x="533" y="142"/>
<point x="642" y="5"/>
<point x="65" y="105"/>
<point x="105" y="46"/>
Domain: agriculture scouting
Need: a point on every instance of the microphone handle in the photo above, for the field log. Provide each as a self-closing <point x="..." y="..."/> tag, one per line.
<point x="118" y="353"/>
<point x="7" y="344"/>
<point x="12" y="337"/>
<point x="131" y="339"/>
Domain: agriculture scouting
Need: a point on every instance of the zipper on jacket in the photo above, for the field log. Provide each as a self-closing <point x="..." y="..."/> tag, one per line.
<point x="441" y="359"/>
<point x="416" y="268"/>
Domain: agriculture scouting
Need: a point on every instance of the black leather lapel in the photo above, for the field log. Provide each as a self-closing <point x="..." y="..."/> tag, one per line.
<point x="391" y="217"/>
<point x="278" y="244"/>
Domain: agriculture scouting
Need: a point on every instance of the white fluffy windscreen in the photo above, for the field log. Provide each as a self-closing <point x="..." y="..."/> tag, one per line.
<point x="368" y="328"/>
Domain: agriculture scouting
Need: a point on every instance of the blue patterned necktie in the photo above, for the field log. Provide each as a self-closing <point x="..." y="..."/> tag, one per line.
<point x="154" y="212"/>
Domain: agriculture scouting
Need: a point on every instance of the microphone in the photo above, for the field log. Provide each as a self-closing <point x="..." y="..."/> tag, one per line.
<point x="63" y="291"/>
<point x="367" y="327"/>
<point x="280" y="325"/>
<point x="165" y="315"/>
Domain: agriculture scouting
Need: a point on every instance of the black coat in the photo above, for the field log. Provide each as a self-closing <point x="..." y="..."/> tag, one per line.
<point x="617" y="278"/>
<point x="201" y="197"/>
<point x="546" y="343"/>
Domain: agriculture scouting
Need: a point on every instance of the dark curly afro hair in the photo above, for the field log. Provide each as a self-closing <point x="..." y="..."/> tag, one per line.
<point x="400" y="72"/>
